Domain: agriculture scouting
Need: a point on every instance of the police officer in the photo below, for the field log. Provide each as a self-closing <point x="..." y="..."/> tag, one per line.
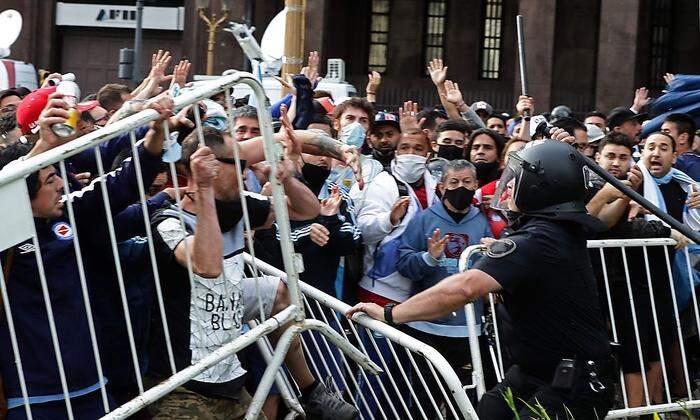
<point x="557" y="338"/>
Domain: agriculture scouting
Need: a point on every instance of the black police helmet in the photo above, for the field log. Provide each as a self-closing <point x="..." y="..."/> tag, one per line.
<point x="550" y="177"/>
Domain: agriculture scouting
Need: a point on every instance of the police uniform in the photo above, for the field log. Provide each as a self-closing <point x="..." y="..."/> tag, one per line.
<point x="556" y="337"/>
<point x="550" y="295"/>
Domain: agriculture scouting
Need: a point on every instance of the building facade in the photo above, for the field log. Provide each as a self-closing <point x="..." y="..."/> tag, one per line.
<point x="588" y="54"/>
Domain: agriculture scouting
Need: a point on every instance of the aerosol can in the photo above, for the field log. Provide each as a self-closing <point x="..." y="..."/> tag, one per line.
<point x="71" y="93"/>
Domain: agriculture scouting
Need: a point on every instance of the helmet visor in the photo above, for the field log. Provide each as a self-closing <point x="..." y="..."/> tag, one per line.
<point x="506" y="189"/>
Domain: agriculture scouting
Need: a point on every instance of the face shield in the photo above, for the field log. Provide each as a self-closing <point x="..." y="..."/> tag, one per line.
<point x="519" y="176"/>
<point x="507" y="185"/>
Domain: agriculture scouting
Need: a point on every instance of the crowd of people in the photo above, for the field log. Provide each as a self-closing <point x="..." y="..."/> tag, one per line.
<point x="382" y="204"/>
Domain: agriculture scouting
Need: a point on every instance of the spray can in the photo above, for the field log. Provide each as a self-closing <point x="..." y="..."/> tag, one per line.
<point x="71" y="93"/>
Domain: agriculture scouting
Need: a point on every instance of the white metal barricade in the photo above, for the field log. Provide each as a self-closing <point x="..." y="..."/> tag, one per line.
<point x="660" y="286"/>
<point x="394" y="396"/>
<point x="17" y="226"/>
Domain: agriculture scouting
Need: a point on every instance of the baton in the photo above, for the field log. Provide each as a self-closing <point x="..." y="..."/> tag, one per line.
<point x="521" y="56"/>
<point x="682" y="228"/>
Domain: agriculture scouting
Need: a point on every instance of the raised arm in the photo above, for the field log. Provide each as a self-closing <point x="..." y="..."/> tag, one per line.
<point x="206" y="245"/>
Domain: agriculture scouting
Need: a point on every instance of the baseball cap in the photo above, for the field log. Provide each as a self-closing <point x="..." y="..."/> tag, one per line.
<point x="387" y="118"/>
<point x="619" y="116"/>
<point x="327" y="104"/>
<point x="482" y="106"/>
<point x="594" y="133"/>
<point x="30" y="108"/>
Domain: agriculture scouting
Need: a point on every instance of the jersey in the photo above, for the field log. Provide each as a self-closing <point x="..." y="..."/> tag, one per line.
<point x="207" y="313"/>
<point x="549" y="292"/>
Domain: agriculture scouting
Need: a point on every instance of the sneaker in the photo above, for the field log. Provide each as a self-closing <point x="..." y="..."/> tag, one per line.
<point x="324" y="404"/>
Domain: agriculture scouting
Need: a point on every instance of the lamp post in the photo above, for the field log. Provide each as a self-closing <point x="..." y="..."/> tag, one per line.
<point x="213" y="24"/>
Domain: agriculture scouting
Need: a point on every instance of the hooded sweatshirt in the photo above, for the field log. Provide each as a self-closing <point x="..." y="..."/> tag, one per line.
<point x="382" y="239"/>
<point x="418" y="265"/>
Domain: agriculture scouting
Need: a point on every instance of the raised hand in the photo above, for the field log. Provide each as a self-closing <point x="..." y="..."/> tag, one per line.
<point x="407" y="118"/>
<point x="453" y="94"/>
<point x="331" y="205"/>
<point x="668" y="78"/>
<point x="311" y="69"/>
<point x="374" y="79"/>
<point x="55" y="112"/>
<point x="525" y="104"/>
<point x="436" y="246"/>
<point x="205" y="167"/>
<point x="437" y="72"/>
<point x="398" y="210"/>
<point x="292" y="145"/>
<point x="641" y="99"/>
<point x="180" y="72"/>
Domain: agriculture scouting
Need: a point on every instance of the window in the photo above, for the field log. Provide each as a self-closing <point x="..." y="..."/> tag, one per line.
<point x="379" y="35"/>
<point x="434" y="40"/>
<point x="660" y="42"/>
<point x="490" y="60"/>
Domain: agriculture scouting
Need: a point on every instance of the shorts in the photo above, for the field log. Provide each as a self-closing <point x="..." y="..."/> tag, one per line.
<point x="267" y="288"/>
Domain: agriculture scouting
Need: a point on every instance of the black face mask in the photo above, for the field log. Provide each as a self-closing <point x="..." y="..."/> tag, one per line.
<point x="460" y="198"/>
<point x="229" y="214"/>
<point x="450" y="152"/>
<point x="315" y="176"/>
<point x="383" y="156"/>
<point x="484" y="170"/>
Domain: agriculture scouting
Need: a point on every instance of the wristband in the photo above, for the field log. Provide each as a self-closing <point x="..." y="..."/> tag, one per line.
<point x="460" y="105"/>
<point x="369" y="92"/>
<point x="388" y="317"/>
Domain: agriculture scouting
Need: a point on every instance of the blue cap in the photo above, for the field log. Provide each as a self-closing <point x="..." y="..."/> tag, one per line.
<point x="387" y="118"/>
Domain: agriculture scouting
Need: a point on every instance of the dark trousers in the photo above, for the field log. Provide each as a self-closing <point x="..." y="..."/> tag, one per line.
<point x="85" y="407"/>
<point x="580" y="401"/>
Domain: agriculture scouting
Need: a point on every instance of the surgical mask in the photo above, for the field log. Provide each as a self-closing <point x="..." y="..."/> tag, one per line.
<point x="460" y="198"/>
<point x="315" y="176"/>
<point x="353" y="135"/>
<point x="450" y="152"/>
<point x="409" y="168"/>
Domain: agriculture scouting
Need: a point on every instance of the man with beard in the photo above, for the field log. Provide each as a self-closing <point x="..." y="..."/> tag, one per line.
<point x="383" y="138"/>
<point x="485" y="151"/>
<point x="613" y="207"/>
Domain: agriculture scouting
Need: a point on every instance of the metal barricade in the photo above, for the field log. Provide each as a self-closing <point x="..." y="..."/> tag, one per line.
<point x="18" y="227"/>
<point x="397" y="395"/>
<point x="644" y="316"/>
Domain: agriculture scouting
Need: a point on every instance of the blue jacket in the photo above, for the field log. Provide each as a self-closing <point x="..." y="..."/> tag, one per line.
<point x="55" y="239"/>
<point x="418" y="265"/>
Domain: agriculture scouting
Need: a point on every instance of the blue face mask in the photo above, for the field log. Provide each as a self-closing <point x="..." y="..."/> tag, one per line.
<point x="216" y="122"/>
<point x="353" y="134"/>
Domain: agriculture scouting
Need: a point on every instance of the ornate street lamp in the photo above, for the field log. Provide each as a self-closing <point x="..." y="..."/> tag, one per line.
<point x="213" y="23"/>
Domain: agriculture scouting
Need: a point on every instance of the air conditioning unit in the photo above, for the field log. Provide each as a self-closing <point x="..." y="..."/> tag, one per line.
<point x="336" y="70"/>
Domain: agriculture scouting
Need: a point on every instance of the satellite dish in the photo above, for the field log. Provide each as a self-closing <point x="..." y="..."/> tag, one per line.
<point x="272" y="43"/>
<point x="10" y="27"/>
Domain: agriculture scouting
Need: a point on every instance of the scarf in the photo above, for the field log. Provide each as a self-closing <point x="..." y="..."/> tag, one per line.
<point x="652" y="192"/>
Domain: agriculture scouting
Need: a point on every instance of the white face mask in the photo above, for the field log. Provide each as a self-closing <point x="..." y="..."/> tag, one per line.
<point x="409" y="168"/>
